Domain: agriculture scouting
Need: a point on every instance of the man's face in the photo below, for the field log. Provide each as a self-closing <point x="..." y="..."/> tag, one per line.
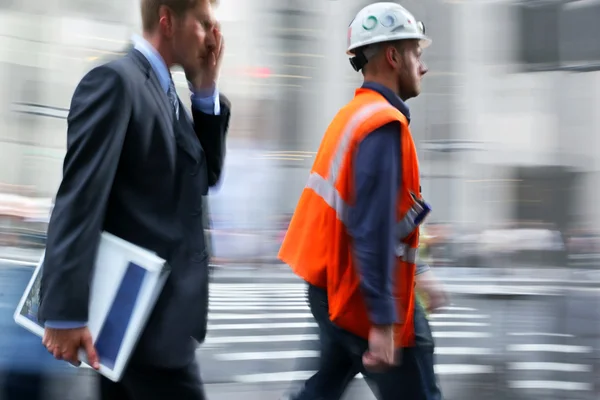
<point x="194" y="35"/>
<point x="411" y="69"/>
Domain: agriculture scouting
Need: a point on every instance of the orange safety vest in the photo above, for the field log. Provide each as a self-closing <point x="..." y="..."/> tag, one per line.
<point x="317" y="245"/>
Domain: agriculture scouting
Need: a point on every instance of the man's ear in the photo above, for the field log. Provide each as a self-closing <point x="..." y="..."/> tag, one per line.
<point x="165" y="20"/>
<point x="392" y="55"/>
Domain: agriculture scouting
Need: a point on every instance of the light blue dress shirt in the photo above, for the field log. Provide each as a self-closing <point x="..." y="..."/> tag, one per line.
<point x="204" y="101"/>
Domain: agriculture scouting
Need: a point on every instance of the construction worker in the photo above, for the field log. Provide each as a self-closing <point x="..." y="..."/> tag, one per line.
<point x="354" y="235"/>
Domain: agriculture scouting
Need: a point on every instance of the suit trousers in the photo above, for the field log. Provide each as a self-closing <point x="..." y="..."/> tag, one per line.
<point x="151" y="383"/>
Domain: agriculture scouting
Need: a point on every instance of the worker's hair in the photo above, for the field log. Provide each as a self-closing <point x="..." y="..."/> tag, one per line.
<point x="371" y="51"/>
<point x="150" y="10"/>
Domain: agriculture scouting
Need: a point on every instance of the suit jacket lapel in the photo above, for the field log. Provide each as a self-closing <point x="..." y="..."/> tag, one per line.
<point x="182" y="139"/>
<point x="159" y="94"/>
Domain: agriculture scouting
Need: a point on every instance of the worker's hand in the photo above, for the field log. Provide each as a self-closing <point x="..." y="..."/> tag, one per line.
<point x="64" y="344"/>
<point x="433" y="289"/>
<point x="381" y="354"/>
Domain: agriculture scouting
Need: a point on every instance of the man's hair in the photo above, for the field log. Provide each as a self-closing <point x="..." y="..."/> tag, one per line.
<point x="371" y="51"/>
<point x="150" y="10"/>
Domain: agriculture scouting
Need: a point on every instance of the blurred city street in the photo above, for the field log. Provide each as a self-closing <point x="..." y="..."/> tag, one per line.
<point x="507" y="338"/>
<point x="507" y="134"/>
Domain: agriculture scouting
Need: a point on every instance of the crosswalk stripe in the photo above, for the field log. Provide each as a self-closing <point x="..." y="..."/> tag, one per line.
<point x="549" y="366"/>
<point x="257" y="286"/>
<point x="286" y="325"/>
<point x="454" y="323"/>
<point x="268" y="325"/>
<point x="293" y="300"/>
<point x="249" y="308"/>
<point x="460" y="335"/>
<point x="454" y="308"/>
<point x="458" y="316"/>
<point x="454" y="351"/>
<point x="290" y="376"/>
<point x="259" y="339"/>
<point x="270" y="294"/>
<point x="550" y="348"/>
<point x="309" y="337"/>
<point x="227" y="316"/>
<point x="294" y="354"/>
<point x="551" y="385"/>
<point x="267" y="355"/>
<point x="564" y="335"/>
<point x="257" y="302"/>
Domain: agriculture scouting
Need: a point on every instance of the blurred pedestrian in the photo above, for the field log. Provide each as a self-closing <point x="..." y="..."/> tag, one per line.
<point x="354" y="235"/>
<point x="137" y="166"/>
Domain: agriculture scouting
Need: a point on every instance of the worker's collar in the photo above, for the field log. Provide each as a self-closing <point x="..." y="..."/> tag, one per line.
<point x="390" y="96"/>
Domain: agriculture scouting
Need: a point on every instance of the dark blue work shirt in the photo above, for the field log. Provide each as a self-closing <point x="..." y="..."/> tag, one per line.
<point x="372" y="219"/>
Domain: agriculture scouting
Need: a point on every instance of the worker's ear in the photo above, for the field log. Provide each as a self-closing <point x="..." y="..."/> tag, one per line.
<point x="393" y="56"/>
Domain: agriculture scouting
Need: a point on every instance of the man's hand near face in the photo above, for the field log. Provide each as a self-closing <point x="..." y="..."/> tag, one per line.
<point x="204" y="75"/>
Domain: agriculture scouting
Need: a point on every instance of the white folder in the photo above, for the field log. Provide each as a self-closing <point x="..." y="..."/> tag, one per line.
<point x="127" y="281"/>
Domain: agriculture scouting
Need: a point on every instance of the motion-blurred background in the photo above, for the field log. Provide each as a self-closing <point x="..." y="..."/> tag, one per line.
<point x="507" y="133"/>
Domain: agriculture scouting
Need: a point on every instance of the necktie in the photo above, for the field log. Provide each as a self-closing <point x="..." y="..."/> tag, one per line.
<point x="172" y="93"/>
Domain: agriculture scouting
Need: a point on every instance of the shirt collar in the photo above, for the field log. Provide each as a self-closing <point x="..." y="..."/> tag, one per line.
<point x="390" y="96"/>
<point x="155" y="59"/>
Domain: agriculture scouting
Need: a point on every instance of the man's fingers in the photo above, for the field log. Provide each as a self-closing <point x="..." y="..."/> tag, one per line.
<point x="92" y="356"/>
<point x="57" y="353"/>
<point x="374" y="363"/>
<point x="70" y="356"/>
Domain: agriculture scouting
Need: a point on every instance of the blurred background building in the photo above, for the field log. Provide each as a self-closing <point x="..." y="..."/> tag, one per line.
<point x="505" y="125"/>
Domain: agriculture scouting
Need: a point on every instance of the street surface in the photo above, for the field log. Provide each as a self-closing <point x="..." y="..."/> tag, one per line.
<point x="505" y="346"/>
<point x="528" y="338"/>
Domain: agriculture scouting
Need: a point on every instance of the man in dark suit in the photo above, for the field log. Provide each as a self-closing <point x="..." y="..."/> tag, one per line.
<point x="137" y="166"/>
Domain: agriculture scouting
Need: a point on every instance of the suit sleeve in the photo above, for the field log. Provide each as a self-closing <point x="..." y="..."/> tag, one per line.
<point x="372" y="217"/>
<point x="211" y="130"/>
<point x="97" y="123"/>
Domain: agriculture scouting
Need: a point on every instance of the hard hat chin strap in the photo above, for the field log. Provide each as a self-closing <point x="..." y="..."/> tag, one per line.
<point x="358" y="61"/>
<point x="363" y="55"/>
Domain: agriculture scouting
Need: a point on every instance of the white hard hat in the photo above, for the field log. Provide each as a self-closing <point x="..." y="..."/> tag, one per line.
<point x="384" y="22"/>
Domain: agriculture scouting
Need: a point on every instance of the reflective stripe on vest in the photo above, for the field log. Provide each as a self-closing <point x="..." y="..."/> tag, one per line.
<point x="407" y="253"/>
<point x="325" y="188"/>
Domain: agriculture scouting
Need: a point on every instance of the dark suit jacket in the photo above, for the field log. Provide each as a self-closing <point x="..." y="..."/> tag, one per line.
<point x="134" y="171"/>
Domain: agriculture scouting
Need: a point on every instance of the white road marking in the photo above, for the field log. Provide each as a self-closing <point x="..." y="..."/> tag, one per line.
<point x="460" y="335"/>
<point x="259" y="339"/>
<point x="541" y="334"/>
<point x="448" y="369"/>
<point x="17" y="262"/>
<point x="256" y="302"/>
<point x="453" y="351"/>
<point x="458" y="316"/>
<point x="454" y="323"/>
<point x="550" y="348"/>
<point x="268" y="355"/>
<point x="226" y="316"/>
<point x="268" y="325"/>
<point x="549" y="366"/>
<point x="308" y="337"/>
<point x="257" y="308"/>
<point x="294" y="354"/>
<point x="551" y="385"/>
<point x="452" y="308"/>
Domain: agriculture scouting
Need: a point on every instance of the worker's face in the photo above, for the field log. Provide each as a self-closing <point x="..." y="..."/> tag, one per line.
<point x="410" y="68"/>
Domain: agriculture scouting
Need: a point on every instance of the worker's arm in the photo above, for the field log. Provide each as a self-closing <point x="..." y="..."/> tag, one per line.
<point x="372" y="220"/>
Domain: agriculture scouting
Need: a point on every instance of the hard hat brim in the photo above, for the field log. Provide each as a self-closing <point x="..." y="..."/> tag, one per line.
<point x="424" y="41"/>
